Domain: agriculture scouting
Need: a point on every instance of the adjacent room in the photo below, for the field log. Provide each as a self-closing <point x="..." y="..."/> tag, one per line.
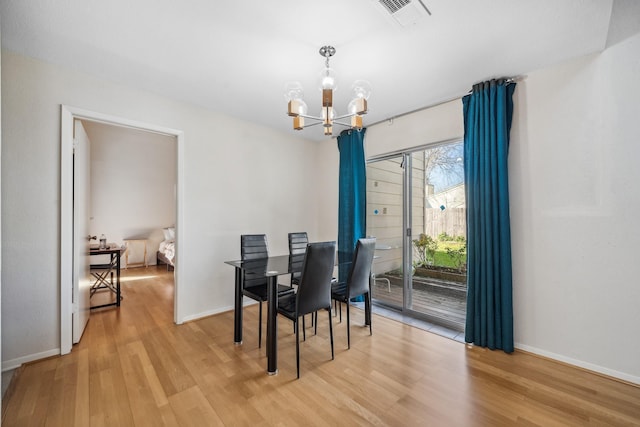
<point x="336" y="213"/>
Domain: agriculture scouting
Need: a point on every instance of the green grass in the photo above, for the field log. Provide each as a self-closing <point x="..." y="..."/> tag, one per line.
<point x="443" y="259"/>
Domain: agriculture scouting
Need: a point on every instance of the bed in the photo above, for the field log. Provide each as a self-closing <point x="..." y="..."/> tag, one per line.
<point x="167" y="250"/>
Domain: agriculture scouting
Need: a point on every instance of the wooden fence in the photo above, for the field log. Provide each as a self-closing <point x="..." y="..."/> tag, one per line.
<point x="451" y="221"/>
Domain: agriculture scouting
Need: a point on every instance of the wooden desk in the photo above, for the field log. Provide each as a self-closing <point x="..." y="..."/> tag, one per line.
<point x="103" y="273"/>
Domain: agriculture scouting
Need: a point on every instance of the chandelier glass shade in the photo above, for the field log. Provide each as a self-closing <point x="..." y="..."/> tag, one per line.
<point x="298" y="110"/>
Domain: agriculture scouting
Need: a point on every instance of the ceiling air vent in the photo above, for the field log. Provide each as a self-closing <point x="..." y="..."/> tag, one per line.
<point x="405" y="12"/>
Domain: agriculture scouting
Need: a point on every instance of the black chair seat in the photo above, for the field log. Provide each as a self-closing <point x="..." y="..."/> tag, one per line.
<point x="259" y="293"/>
<point x="287" y="305"/>
<point x="339" y="291"/>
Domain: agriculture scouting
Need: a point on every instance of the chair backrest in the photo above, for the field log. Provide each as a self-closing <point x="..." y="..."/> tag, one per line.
<point x="253" y="248"/>
<point x="358" y="280"/>
<point x="314" y="290"/>
<point x="298" y="243"/>
<point x="297" y="249"/>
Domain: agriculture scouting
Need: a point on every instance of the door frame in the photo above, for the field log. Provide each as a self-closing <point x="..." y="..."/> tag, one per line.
<point x="407" y="219"/>
<point x="405" y="164"/>
<point x="67" y="117"/>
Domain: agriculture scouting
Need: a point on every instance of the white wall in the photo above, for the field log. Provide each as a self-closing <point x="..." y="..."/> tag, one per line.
<point x="328" y="165"/>
<point x="574" y="205"/>
<point x="574" y="211"/>
<point x="133" y="178"/>
<point x="436" y="124"/>
<point x="239" y="178"/>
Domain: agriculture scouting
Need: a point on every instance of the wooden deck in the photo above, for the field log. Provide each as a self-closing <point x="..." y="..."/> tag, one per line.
<point x="440" y="301"/>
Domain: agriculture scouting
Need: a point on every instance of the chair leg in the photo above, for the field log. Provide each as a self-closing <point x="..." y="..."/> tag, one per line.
<point x="330" y="331"/>
<point x="304" y="333"/>
<point x="298" y="348"/>
<point x="260" y="326"/>
<point x="315" y="324"/>
<point x="348" y="327"/>
<point x="368" y="296"/>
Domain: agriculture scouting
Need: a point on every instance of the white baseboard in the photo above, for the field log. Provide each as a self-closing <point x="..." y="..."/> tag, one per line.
<point x="247" y="302"/>
<point x="585" y="365"/>
<point x="8" y="365"/>
<point x="206" y="314"/>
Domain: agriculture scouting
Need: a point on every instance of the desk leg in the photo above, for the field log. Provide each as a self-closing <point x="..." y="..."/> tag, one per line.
<point x="117" y="255"/>
<point x="237" y="312"/>
<point x="272" y="325"/>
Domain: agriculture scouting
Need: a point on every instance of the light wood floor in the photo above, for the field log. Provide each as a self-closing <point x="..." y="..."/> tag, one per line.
<point x="135" y="367"/>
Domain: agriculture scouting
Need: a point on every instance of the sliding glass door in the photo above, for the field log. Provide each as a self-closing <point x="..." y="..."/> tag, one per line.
<point x="416" y="210"/>
<point x="385" y="216"/>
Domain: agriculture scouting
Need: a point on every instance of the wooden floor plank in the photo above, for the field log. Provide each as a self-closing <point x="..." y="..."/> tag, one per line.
<point x="135" y="367"/>
<point x="193" y="409"/>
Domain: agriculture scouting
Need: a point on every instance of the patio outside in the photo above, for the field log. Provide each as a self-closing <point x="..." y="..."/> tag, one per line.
<point x="438" y="226"/>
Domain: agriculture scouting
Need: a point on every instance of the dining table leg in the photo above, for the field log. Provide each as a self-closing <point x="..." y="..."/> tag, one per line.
<point x="237" y="313"/>
<point x="117" y="255"/>
<point x="272" y="325"/>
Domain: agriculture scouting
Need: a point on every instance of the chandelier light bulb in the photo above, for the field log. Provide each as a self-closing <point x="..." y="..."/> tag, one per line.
<point x="302" y="107"/>
<point x="328" y="79"/>
<point x="352" y="108"/>
<point x="293" y="91"/>
<point x="361" y="89"/>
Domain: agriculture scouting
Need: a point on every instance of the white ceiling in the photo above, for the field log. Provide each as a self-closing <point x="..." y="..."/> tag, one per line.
<point x="236" y="56"/>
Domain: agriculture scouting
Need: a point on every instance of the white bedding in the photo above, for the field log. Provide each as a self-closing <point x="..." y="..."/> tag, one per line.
<point x="167" y="247"/>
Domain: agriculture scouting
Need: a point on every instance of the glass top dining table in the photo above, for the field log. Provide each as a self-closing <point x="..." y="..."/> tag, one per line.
<point x="270" y="268"/>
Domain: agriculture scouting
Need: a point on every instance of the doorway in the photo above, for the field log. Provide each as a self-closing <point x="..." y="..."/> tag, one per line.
<point x="416" y="211"/>
<point x="68" y="116"/>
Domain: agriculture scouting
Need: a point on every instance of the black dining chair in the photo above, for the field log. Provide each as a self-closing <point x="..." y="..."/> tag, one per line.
<point x="297" y="248"/>
<point x="313" y="292"/>
<point x="357" y="281"/>
<point x="253" y="248"/>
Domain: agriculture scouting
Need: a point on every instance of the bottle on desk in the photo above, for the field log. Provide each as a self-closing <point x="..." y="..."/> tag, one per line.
<point x="103" y="242"/>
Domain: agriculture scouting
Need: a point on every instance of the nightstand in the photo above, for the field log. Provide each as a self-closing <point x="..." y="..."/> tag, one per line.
<point x="136" y="253"/>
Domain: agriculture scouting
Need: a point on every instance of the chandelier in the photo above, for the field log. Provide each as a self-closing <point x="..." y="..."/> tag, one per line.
<point x="297" y="108"/>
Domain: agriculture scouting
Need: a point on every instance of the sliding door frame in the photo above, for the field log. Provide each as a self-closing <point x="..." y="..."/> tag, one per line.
<point x="407" y="220"/>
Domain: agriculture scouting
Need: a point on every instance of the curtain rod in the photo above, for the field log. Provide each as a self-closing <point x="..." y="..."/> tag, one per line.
<point x="413" y="149"/>
<point x="506" y="79"/>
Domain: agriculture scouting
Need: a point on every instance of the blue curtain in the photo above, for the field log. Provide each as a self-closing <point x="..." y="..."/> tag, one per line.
<point x="488" y="112"/>
<point x="352" y="203"/>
